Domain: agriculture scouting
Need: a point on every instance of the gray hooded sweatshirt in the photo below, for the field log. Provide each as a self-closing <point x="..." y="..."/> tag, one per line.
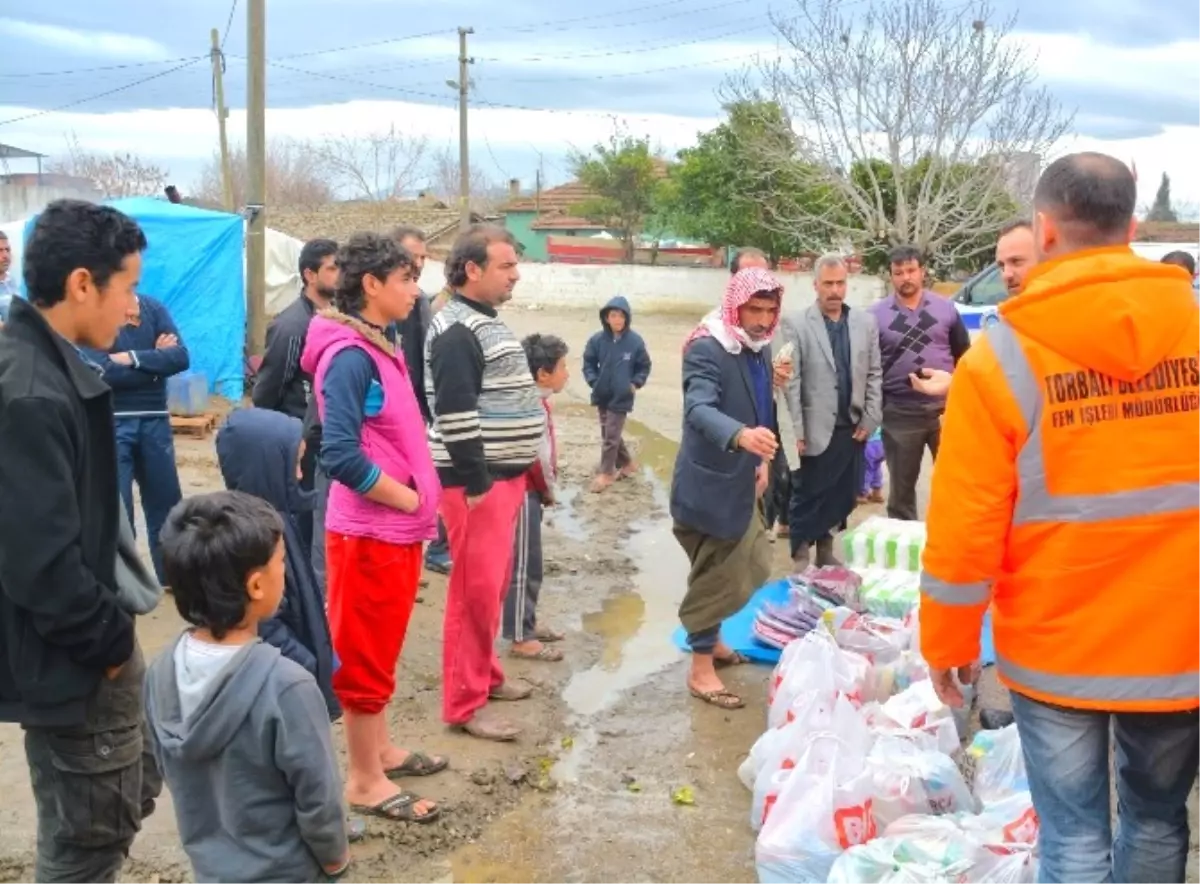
<point x="251" y="767"/>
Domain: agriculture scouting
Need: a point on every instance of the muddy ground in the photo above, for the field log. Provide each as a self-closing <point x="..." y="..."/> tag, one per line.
<point x="610" y="732"/>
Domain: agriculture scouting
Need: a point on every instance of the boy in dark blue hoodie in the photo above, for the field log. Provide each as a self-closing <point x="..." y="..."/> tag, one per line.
<point x="260" y="452"/>
<point x="616" y="365"/>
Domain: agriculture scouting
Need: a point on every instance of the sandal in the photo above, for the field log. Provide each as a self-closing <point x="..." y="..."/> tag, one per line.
<point x="546" y="655"/>
<point x="417" y="764"/>
<point x="400" y="808"/>
<point x="722" y="699"/>
<point x="737" y="658"/>
<point x="548" y="635"/>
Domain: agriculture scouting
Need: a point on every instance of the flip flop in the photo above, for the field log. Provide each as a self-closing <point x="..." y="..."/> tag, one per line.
<point x="737" y="658"/>
<point x="722" y="699"/>
<point x="546" y="655"/>
<point x="548" y="635"/>
<point x="400" y="808"/>
<point x="417" y="764"/>
<point x="510" y="692"/>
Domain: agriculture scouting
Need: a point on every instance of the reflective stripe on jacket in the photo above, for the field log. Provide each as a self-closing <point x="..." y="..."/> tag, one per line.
<point x="1067" y="491"/>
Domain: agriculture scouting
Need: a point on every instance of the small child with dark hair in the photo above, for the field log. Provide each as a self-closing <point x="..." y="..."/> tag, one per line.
<point x="547" y="356"/>
<point x="240" y="732"/>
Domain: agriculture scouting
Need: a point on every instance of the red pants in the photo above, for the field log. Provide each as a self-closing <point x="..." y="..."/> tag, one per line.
<point x="372" y="590"/>
<point x="481" y="546"/>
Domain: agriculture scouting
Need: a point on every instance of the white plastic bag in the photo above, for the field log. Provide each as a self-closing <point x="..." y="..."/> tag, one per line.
<point x="945" y="856"/>
<point x="999" y="764"/>
<point x="781" y="749"/>
<point x="823" y="808"/>
<point x="1014" y="865"/>
<point x="815" y="663"/>
<point x="910" y="780"/>
<point x="918" y="707"/>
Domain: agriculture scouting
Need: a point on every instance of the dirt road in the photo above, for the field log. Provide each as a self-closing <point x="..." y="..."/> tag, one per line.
<point x="585" y="795"/>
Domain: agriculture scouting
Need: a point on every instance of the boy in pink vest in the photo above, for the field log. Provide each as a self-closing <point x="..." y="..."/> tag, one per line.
<point x="382" y="507"/>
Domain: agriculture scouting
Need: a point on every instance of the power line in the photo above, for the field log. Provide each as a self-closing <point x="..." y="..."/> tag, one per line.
<point x="618" y="52"/>
<point x="674" y="67"/>
<point x="100" y="95"/>
<point x="371" y="45"/>
<point x="107" y="67"/>
<point x="229" y="23"/>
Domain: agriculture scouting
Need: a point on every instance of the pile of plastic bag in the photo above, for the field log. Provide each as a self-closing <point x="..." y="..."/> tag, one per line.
<point x="855" y="779"/>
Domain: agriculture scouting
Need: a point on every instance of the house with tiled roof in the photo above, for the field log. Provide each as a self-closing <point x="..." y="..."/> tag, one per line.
<point x="434" y="217"/>
<point x="536" y="217"/>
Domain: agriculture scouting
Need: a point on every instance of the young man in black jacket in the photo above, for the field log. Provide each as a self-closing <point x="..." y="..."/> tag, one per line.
<point x="70" y="668"/>
<point x="281" y="385"/>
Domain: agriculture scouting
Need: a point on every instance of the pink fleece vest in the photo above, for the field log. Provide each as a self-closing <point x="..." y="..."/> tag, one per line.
<point x="394" y="440"/>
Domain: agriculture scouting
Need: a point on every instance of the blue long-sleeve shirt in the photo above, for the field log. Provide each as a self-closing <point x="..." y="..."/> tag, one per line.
<point x="140" y="388"/>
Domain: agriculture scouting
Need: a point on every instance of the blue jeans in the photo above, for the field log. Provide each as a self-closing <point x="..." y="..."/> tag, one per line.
<point x="1067" y="759"/>
<point x="146" y="454"/>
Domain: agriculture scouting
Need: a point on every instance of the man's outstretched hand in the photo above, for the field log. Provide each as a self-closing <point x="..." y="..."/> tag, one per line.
<point x="758" y="440"/>
<point x="947" y="689"/>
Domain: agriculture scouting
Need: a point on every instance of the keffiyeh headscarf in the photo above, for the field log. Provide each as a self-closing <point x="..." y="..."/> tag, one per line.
<point x="723" y="323"/>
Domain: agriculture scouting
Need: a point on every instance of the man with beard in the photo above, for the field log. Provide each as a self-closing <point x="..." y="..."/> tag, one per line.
<point x="412" y="332"/>
<point x="281" y="385"/>
<point x="721" y="469"/>
<point x="835" y="401"/>
<point x="918" y="330"/>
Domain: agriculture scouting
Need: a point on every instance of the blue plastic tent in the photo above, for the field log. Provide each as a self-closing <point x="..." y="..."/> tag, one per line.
<point x="193" y="264"/>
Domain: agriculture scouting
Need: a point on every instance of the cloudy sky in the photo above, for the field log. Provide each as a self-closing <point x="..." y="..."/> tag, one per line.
<point x="549" y="76"/>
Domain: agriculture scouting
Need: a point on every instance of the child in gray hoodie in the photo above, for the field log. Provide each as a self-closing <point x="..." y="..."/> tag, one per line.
<point x="240" y="732"/>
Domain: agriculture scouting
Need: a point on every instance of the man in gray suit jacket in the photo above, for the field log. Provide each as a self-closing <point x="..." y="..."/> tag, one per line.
<point x="835" y="403"/>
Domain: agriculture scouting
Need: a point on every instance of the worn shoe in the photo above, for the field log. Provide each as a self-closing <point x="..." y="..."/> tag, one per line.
<point x="825" y="554"/>
<point x="628" y="471"/>
<point x="876" y="495"/>
<point x="438" y="564"/>
<point x="510" y="692"/>
<point x="486" y="726"/>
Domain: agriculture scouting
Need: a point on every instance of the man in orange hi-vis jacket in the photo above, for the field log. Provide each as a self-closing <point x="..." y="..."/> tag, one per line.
<point x="1066" y="496"/>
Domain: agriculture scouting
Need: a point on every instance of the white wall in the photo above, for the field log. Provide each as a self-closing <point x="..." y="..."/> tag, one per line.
<point x="19" y="201"/>
<point x="655" y="289"/>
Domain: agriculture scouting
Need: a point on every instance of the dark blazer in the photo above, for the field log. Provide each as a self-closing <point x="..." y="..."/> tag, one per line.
<point x="61" y="624"/>
<point x="712" y="489"/>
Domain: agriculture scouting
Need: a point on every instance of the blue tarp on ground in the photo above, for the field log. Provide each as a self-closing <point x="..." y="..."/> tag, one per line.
<point x="193" y="264"/>
<point x="738" y="630"/>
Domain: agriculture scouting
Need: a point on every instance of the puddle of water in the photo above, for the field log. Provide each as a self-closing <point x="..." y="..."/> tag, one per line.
<point x="636" y="625"/>
<point x="564" y="518"/>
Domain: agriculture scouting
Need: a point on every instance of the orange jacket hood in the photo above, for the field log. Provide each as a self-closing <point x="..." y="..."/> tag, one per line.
<point x="1106" y="309"/>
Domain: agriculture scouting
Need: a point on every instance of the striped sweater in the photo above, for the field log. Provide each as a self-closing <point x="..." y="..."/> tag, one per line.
<point x="488" y="418"/>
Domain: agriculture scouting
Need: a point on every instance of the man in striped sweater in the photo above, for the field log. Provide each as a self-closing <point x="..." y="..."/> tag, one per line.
<point x="488" y="422"/>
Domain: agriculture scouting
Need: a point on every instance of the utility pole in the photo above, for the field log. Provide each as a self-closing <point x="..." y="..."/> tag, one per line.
<point x="464" y="158"/>
<point x="218" y="66"/>
<point x="256" y="161"/>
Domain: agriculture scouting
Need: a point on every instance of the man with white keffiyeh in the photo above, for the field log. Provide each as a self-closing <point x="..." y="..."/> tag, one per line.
<point x="721" y="469"/>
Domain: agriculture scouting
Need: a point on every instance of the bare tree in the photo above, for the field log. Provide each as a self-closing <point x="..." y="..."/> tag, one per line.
<point x="444" y="182"/>
<point x="115" y="175"/>
<point x="915" y="120"/>
<point x="293" y="176"/>
<point x="380" y="166"/>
